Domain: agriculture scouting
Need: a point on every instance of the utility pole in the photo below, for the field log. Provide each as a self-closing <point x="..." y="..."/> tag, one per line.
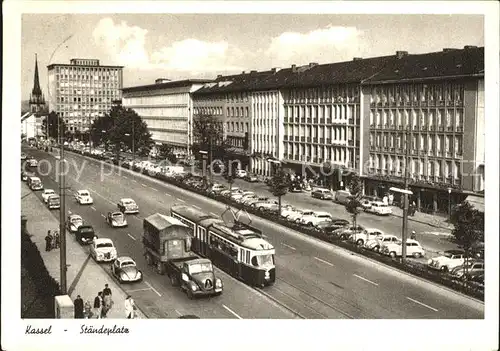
<point x="404" y="233"/>
<point x="133" y="138"/>
<point x="62" y="212"/>
<point x="210" y="158"/>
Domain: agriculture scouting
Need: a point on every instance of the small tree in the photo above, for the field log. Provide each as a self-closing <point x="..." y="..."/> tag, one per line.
<point x="469" y="229"/>
<point x="208" y="135"/>
<point x="354" y="205"/>
<point x="55" y="124"/>
<point x="279" y="185"/>
<point x="100" y="129"/>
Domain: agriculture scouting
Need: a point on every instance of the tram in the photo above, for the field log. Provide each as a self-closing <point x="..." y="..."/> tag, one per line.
<point x="239" y="250"/>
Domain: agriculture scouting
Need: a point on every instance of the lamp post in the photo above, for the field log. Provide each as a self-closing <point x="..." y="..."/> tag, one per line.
<point x="62" y="212"/>
<point x="449" y="205"/>
<point x="204" y="166"/>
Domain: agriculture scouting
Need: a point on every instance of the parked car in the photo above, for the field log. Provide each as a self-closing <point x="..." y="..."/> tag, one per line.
<point x="447" y="261"/>
<point x="323" y="194"/>
<point x="85" y="234"/>
<point x="116" y="219"/>
<point x="264" y="205"/>
<point x="315" y="218"/>
<point x="252" y="201"/>
<point x="127" y="205"/>
<point x="32" y="162"/>
<point x="366" y="201"/>
<point x="251" y="178"/>
<point x="83" y="197"/>
<point x="46" y="194"/>
<point x="241" y="173"/>
<point x="247" y="197"/>
<point x="73" y="222"/>
<point x="53" y="202"/>
<point x="35" y="183"/>
<point x="345" y="232"/>
<point x="360" y="238"/>
<point x="379" y="208"/>
<point x="103" y="250"/>
<point x="330" y="226"/>
<point x="238" y="196"/>
<point x="125" y="270"/>
<point x="384" y="239"/>
<point x="473" y="267"/>
<point x="413" y="248"/>
<point x="25" y="175"/>
<point x="217" y="188"/>
<point x="295" y="187"/>
<point x="298" y="214"/>
<point x="342" y="197"/>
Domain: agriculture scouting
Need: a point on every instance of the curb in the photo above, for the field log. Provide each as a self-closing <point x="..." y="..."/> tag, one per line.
<point x="422" y="222"/>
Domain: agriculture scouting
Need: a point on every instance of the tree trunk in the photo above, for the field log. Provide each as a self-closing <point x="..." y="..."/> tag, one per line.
<point x="279" y="206"/>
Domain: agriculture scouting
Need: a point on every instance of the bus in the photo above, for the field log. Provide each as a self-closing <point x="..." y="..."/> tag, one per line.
<point x="240" y="250"/>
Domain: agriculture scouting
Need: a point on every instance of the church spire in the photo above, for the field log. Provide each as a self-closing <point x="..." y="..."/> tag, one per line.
<point x="37" y="101"/>
<point x="36" y="86"/>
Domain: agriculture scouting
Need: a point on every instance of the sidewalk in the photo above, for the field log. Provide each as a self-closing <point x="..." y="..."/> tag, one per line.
<point x="425" y="218"/>
<point x="84" y="276"/>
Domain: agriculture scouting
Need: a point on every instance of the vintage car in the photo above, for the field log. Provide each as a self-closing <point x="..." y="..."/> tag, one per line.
<point x="35" y="183"/>
<point x="85" y="234"/>
<point x="344" y="233"/>
<point x="241" y="173"/>
<point x="32" y="162"/>
<point x="315" y="218"/>
<point x="217" y="188"/>
<point x="25" y="175"/>
<point x="238" y="196"/>
<point x="127" y="205"/>
<point x="103" y="250"/>
<point x="46" y="194"/>
<point x="379" y="208"/>
<point x="116" y="219"/>
<point x="251" y="178"/>
<point x="447" y="261"/>
<point x="468" y="269"/>
<point x="322" y="194"/>
<point x="83" y="197"/>
<point x="376" y="243"/>
<point x="298" y="214"/>
<point x="54" y="202"/>
<point x="413" y="248"/>
<point x="125" y="270"/>
<point x="360" y="238"/>
<point x="73" y="222"/>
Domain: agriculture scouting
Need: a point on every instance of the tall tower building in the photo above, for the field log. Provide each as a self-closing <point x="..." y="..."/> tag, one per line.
<point x="82" y="91"/>
<point x="37" y="102"/>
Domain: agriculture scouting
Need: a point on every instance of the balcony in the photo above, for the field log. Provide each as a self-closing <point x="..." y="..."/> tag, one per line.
<point x="296" y="119"/>
<point x="296" y="157"/>
<point x="441" y="128"/>
<point x="329" y="141"/>
<point x="459" y="129"/>
<point x="315" y="140"/>
<point x="450" y="128"/>
<point x="456" y="181"/>
<point x="285" y="137"/>
<point x="322" y="121"/>
<point x="439" y="153"/>
<point x="328" y="121"/>
<point x="448" y="153"/>
<point x="431" y="128"/>
<point x="372" y="125"/>
<point x="372" y="148"/>
<point x="400" y="127"/>
<point x="391" y="149"/>
<point x="315" y="160"/>
<point x="459" y="154"/>
<point x="320" y="160"/>
<point x="315" y="121"/>
<point x="379" y="126"/>
<point x="285" y="119"/>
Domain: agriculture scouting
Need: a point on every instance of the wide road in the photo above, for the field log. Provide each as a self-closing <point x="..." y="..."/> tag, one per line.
<point x="314" y="279"/>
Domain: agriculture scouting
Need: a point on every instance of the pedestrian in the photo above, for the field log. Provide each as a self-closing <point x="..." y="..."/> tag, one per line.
<point x="107" y="297"/>
<point x="78" y="307"/>
<point x="413" y="235"/>
<point x="98" y="305"/>
<point x="386" y="200"/>
<point x="57" y="240"/>
<point x="391" y="199"/>
<point x="88" y="310"/>
<point x="48" y="241"/>
<point x="130" y="307"/>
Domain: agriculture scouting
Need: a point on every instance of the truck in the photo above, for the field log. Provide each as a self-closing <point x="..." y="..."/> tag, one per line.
<point x="167" y="247"/>
<point x="343" y="197"/>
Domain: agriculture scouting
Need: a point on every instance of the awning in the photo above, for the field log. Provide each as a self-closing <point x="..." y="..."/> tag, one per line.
<point x="476" y="201"/>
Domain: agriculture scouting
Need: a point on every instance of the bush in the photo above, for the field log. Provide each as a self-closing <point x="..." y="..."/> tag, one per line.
<point x="46" y="286"/>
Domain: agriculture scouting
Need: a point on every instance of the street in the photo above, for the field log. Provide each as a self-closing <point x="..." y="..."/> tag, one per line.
<point x="314" y="279"/>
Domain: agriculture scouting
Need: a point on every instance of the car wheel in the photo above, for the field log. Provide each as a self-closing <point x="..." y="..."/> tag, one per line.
<point x="360" y="242"/>
<point x="417" y="255"/>
<point x="392" y="254"/>
<point x="376" y="248"/>
<point x="444" y="269"/>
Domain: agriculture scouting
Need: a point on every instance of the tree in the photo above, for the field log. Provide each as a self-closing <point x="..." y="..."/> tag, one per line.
<point x="469" y="229"/>
<point x="100" y="130"/>
<point x="208" y="135"/>
<point x="279" y="185"/>
<point x="354" y="205"/>
<point x="54" y="123"/>
<point x="167" y="152"/>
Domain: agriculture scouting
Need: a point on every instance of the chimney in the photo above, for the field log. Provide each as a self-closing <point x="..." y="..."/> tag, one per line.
<point x="275" y="69"/>
<point x="467" y="47"/>
<point x="401" y="54"/>
<point x="312" y="64"/>
<point x="357" y="58"/>
<point x="448" y="49"/>
<point x="294" y="68"/>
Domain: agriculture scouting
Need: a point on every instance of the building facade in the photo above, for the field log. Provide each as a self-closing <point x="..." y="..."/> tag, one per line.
<point x="31" y="125"/>
<point x="167" y="108"/>
<point x="83" y="90"/>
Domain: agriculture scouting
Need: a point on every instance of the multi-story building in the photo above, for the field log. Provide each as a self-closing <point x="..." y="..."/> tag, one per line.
<point x="83" y="90"/>
<point x="427" y="110"/>
<point x="167" y="109"/>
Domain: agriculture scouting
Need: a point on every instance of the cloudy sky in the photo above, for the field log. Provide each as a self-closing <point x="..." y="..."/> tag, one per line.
<point x="179" y="46"/>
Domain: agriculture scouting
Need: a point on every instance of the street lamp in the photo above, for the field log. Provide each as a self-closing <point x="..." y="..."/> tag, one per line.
<point x="204" y="155"/>
<point x="449" y="205"/>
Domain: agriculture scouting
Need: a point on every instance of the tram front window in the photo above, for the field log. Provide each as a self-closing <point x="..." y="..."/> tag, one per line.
<point x="200" y="268"/>
<point x="263" y="260"/>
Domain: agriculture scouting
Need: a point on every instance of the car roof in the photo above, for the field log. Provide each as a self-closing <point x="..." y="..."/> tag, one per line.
<point x="124" y="258"/>
<point x="127" y="199"/>
<point x="75" y="216"/>
<point x="103" y="240"/>
<point x="47" y="190"/>
<point x="35" y="178"/>
<point x="116" y="213"/>
<point x="84" y="190"/>
<point x="374" y="230"/>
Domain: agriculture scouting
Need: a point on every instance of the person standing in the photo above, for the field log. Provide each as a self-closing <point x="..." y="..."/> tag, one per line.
<point x="391" y="199"/>
<point x="48" y="241"/>
<point x="57" y="239"/>
<point x="130" y="307"/>
<point x="107" y="297"/>
<point x="78" y="307"/>
<point x="98" y="305"/>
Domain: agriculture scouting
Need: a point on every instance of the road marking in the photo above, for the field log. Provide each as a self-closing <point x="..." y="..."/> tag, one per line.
<point x="423" y="304"/>
<point x="135" y="290"/>
<point x="290" y="247"/>
<point x="103" y="216"/>
<point x="125" y="177"/>
<point x="325" y="262"/>
<point x="92" y="207"/>
<point x="214" y="214"/>
<point x="180" y="200"/>
<point x="135" y="180"/>
<point x="144" y="185"/>
<point x="197" y="207"/>
<point x="366" y="280"/>
<point x="155" y="189"/>
<point x="168" y="194"/>
<point x="105" y="198"/>
<point x="230" y="310"/>
<point x="131" y="236"/>
<point x="153" y="289"/>
<point x="180" y="314"/>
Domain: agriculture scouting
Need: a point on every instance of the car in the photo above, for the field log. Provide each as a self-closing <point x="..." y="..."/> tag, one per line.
<point x="103" y="250"/>
<point x="53" y="202"/>
<point x="448" y="260"/>
<point x="345" y="232"/>
<point x="85" y="234"/>
<point x="217" y="188"/>
<point x="25" y="175"/>
<point x="251" y="178"/>
<point x="73" y="222"/>
<point x="295" y="187"/>
<point x="379" y="208"/>
<point x="331" y="225"/>
<point x="238" y="196"/>
<point x="315" y="218"/>
<point x="83" y="197"/>
<point x="360" y="238"/>
<point x="254" y="200"/>
<point x="127" y="205"/>
<point x="241" y="173"/>
<point x="116" y="219"/>
<point x="264" y="205"/>
<point x="322" y="194"/>
<point x="472" y="267"/>
<point x="247" y="197"/>
<point x="366" y="201"/>
<point x="32" y="162"/>
<point x="23" y="156"/>
<point x="35" y="183"/>
<point x="413" y="248"/>
<point x="125" y="270"/>
<point x="298" y="214"/>
<point x="376" y="243"/>
<point x="46" y="194"/>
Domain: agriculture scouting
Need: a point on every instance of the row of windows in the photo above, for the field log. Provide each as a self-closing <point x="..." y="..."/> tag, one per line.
<point x="87" y="92"/>
<point x="334" y="133"/>
<point x="167" y="124"/>
<point x="307" y="153"/>
<point x="438" y="117"/>
<point x="224" y="245"/>
<point x="85" y="77"/>
<point x="165" y="99"/>
<point x="421" y="142"/>
<point x="65" y="99"/>
<point x="72" y="107"/>
<point x="99" y="70"/>
<point x="237" y="112"/>
<point x="419" y="166"/>
<point x="238" y="127"/>
<point x="323" y="111"/>
<point x="208" y="111"/>
<point x="417" y="92"/>
<point x="345" y="93"/>
<point x="170" y="137"/>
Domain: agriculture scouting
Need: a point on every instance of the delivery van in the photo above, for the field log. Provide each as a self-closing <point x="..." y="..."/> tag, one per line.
<point x="343" y="197"/>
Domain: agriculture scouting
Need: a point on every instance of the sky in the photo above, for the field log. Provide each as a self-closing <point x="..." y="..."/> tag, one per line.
<point x="180" y="46"/>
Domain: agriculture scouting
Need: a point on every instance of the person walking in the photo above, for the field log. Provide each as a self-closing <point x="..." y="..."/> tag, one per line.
<point x="98" y="305"/>
<point x="57" y="240"/>
<point x="107" y="297"/>
<point x="130" y="307"/>
<point x="48" y="241"/>
<point x="78" y="307"/>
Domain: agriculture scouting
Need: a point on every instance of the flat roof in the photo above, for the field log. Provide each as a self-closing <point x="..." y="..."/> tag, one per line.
<point x="170" y="84"/>
<point x="52" y="65"/>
